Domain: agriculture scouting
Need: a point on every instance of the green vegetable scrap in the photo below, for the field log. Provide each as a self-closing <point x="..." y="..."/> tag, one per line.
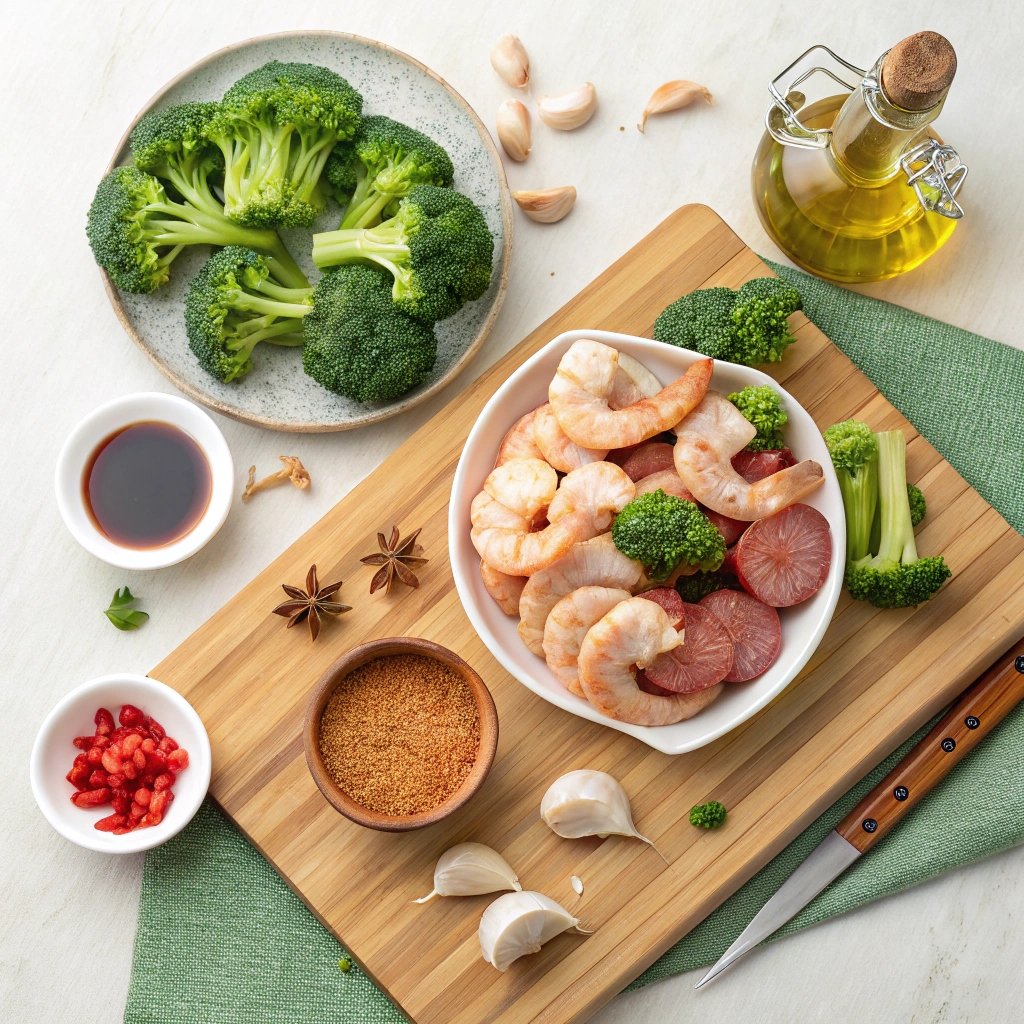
<point x="761" y="405"/>
<point x="748" y="326"/>
<point x="344" y="965"/>
<point x="709" y="815"/>
<point x="122" y="614"/>
<point x="662" y="532"/>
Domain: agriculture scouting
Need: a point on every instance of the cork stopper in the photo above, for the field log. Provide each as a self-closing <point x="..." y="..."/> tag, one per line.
<point x="917" y="71"/>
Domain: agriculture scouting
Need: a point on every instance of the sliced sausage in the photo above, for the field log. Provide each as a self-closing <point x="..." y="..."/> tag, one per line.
<point x="754" y="629"/>
<point x="667" y="480"/>
<point x="647" y="459"/>
<point x="670" y="600"/>
<point x="730" y="529"/>
<point x="784" y="559"/>
<point x="754" y="466"/>
<point x="703" y="659"/>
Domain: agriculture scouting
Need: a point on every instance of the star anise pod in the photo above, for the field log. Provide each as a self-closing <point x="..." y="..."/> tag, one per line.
<point x="394" y="558"/>
<point x="310" y="604"/>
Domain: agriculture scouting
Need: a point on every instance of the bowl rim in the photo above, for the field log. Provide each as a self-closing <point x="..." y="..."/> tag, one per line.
<point x="406" y="402"/>
<point x="363" y="654"/>
<point x="200" y="760"/>
<point x="653" y="736"/>
<point x="161" y="407"/>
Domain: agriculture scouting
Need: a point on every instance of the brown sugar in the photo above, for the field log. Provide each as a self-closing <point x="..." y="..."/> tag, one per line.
<point x="400" y="734"/>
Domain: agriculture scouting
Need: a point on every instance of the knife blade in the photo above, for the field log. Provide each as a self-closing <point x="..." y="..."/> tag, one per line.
<point x="975" y="713"/>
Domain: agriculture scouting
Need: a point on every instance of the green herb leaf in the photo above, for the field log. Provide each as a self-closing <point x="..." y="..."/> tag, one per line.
<point x="122" y="614"/>
<point x="344" y="965"/>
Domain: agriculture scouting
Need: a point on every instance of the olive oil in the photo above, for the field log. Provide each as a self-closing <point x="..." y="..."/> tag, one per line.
<point x="838" y="199"/>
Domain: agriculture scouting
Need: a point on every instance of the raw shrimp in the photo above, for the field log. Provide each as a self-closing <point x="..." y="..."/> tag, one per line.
<point x="524" y="486"/>
<point x="708" y="439"/>
<point x="567" y="625"/>
<point x="556" y="448"/>
<point x="601" y="490"/>
<point x="596" y="562"/>
<point x="503" y="540"/>
<point x="506" y="590"/>
<point x="634" y="632"/>
<point x="633" y="381"/>
<point x="518" y="443"/>
<point x="668" y="480"/>
<point x="583" y="383"/>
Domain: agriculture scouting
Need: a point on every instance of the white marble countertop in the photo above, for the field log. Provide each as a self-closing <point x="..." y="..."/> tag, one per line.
<point x="947" y="951"/>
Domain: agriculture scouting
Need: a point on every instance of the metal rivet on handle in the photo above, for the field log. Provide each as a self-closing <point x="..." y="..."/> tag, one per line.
<point x="1018" y="664"/>
<point x="901" y="792"/>
<point x="869" y="824"/>
<point x="949" y="744"/>
<point x="972" y="722"/>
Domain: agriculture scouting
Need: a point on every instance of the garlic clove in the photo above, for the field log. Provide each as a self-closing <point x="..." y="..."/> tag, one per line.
<point x="588" y="803"/>
<point x="514" y="132"/>
<point x="471" y="869"/>
<point x="673" y="96"/>
<point x="570" y="110"/>
<point x="546" y="205"/>
<point x="518" y="924"/>
<point x="511" y="61"/>
<point x="577" y="884"/>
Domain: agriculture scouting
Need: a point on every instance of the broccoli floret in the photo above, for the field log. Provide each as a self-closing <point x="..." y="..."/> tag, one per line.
<point x="762" y="407"/>
<point x="709" y="815"/>
<point x="171" y="143"/>
<point x="136" y="230"/>
<point x="233" y="304"/>
<point x="437" y="247"/>
<point x="662" y="531"/>
<point x="390" y="160"/>
<point x="854" y="452"/>
<point x="749" y="326"/>
<point x="918" y="506"/>
<point x="359" y="344"/>
<point x="895" y="576"/>
<point x="699" y="584"/>
<point x="341" y="173"/>
<point x="275" y="129"/>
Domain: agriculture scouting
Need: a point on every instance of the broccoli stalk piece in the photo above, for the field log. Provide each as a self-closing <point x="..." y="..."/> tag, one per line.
<point x="233" y="304"/>
<point x="275" y="129"/>
<point x="388" y="159"/>
<point x="437" y="247"/>
<point x="918" y="506"/>
<point x="895" y="576"/>
<point x="136" y="230"/>
<point x="709" y="815"/>
<point x="854" y="452"/>
<point x="762" y="408"/>
<point x="662" y="532"/>
<point x="748" y="326"/>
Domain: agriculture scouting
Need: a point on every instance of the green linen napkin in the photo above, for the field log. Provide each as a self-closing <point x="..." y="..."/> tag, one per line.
<point x="222" y="938"/>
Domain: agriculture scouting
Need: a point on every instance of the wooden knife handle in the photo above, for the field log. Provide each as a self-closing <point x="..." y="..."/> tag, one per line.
<point x="976" y="712"/>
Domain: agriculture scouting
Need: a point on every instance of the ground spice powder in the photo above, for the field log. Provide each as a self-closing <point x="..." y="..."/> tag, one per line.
<point x="400" y="734"/>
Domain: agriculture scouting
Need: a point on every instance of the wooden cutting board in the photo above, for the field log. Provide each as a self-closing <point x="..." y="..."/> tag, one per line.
<point x="875" y="678"/>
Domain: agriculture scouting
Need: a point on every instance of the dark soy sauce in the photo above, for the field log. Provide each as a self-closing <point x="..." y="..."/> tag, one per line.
<point x="147" y="485"/>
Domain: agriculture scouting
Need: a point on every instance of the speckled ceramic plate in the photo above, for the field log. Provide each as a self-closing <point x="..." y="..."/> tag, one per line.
<point x="277" y="394"/>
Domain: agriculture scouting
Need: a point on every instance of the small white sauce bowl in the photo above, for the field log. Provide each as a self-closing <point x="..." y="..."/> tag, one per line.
<point x="53" y="754"/>
<point x="97" y="427"/>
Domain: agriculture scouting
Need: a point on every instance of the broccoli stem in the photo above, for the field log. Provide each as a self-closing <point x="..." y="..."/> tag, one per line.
<point x="348" y="245"/>
<point x="270" y="306"/>
<point x="365" y="212"/>
<point x="860" y="499"/>
<point x="896" y="543"/>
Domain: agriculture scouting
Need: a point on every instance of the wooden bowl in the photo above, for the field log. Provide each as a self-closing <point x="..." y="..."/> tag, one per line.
<point x="358" y="657"/>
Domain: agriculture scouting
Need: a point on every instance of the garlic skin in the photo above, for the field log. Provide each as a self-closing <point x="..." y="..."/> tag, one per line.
<point x="514" y="131"/>
<point x="570" y="110"/>
<point x="673" y="96"/>
<point x="546" y="206"/>
<point x="588" y="803"/>
<point x="471" y="869"/>
<point x="511" y="61"/>
<point x="518" y="924"/>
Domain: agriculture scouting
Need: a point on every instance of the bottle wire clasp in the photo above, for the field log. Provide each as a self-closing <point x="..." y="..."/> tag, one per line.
<point x="937" y="174"/>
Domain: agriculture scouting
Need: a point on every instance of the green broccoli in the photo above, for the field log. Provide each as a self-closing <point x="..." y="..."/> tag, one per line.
<point x="748" y="326"/>
<point x="918" y="506"/>
<point x="761" y="405"/>
<point x="437" y="247"/>
<point x="341" y="173"/>
<point x="275" y="129"/>
<point x="854" y="452"/>
<point x="709" y="815"/>
<point x="233" y="304"/>
<point x="359" y="344"/>
<point x="136" y="230"/>
<point x="895" y="576"/>
<point x="387" y="160"/>
<point x="699" y="584"/>
<point x="662" y="531"/>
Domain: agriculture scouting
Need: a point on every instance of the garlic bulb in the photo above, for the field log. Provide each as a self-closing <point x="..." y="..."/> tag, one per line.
<point x="587" y="803"/>
<point x="519" y="923"/>
<point x="514" y="132"/>
<point x="546" y="205"/>
<point x="673" y="96"/>
<point x="510" y="60"/>
<point x="471" y="869"/>
<point x="570" y="110"/>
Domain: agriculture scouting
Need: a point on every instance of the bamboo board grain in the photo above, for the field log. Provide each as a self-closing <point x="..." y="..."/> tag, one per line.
<point x="875" y="678"/>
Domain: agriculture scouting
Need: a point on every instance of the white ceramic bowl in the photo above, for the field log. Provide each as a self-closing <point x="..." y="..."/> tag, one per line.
<point x="802" y="626"/>
<point x="53" y="754"/>
<point x="104" y="421"/>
